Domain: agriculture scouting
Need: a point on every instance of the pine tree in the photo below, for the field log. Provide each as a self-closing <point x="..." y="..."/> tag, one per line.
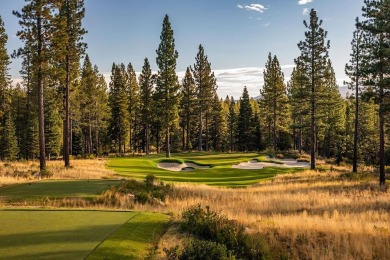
<point x="314" y="55"/>
<point x="8" y="145"/>
<point x="133" y="92"/>
<point x="53" y="122"/>
<point x="146" y="81"/>
<point x="218" y="125"/>
<point x="330" y="118"/>
<point x="353" y="70"/>
<point x="35" y="19"/>
<point x="245" y="123"/>
<point x="167" y="82"/>
<point x="68" y="48"/>
<point x="205" y="87"/>
<point x="118" y="102"/>
<point x="377" y="65"/>
<point x="232" y="123"/>
<point x="299" y="100"/>
<point x="18" y="96"/>
<point x="188" y="113"/>
<point x="274" y="100"/>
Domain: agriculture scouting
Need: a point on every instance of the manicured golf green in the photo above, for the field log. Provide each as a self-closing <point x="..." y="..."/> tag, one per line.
<point x="57" y="189"/>
<point x="37" y="234"/>
<point x="133" y="239"/>
<point x="221" y="173"/>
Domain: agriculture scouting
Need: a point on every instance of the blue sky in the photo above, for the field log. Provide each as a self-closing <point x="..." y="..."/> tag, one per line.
<point x="237" y="35"/>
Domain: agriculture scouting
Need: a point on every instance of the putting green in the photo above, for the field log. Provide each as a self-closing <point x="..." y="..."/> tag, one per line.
<point x="221" y="172"/>
<point x="37" y="234"/>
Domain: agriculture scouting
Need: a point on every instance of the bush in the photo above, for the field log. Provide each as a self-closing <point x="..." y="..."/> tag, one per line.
<point x="210" y="225"/>
<point x="199" y="249"/>
<point x="148" y="191"/>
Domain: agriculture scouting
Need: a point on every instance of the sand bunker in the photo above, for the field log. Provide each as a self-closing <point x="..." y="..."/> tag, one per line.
<point x="285" y="163"/>
<point x="177" y="167"/>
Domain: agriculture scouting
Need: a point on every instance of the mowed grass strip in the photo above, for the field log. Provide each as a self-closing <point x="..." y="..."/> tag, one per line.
<point x="133" y="240"/>
<point x="57" y="189"/>
<point x="37" y="234"/>
<point x="221" y="173"/>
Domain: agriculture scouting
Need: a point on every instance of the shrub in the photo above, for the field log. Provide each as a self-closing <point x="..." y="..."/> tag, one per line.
<point x="199" y="249"/>
<point x="210" y="225"/>
<point x="148" y="191"/>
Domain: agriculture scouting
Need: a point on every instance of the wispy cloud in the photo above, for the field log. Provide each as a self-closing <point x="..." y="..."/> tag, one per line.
<point x="306" y="11"/>
<point x="303" y="2"/>
<point x="253" y="7"/>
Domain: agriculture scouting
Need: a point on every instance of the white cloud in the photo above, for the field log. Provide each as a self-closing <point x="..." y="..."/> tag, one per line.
<point x="303" y="2"/>
<point x="253" y="7"/>
<point x="306" y="11"/>
<point x="266" y="24"/>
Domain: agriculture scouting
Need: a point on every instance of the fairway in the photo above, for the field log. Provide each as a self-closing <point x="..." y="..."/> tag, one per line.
<point x="37" y="234"/>
<point x="57" y="189"/>
<point x="221" y="172"/>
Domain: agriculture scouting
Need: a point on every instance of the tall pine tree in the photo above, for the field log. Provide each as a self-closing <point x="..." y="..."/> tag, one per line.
<point x="167" y="83"/>
<point x="314" y="55"/>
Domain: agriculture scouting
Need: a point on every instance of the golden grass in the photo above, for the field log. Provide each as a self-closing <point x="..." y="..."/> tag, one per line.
<point x="20" y="172"/>
<point x="309" y="215"/>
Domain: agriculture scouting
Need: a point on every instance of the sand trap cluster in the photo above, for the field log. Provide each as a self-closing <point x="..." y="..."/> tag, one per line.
<point x="177" y="167"/>
<point x="285" y="163"/>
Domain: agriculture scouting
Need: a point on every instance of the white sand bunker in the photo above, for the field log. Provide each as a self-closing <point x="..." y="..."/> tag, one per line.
<point x="183" y="167"/>
<point x="285" y="163"/>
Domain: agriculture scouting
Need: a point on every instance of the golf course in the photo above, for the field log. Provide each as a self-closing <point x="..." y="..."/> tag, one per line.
<point x="33" y="227"/>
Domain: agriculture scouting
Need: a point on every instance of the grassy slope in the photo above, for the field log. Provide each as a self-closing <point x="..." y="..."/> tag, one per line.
<point x="33" y="234"/>
<point x="221" y="172"/>
<point x="57" y="189"/>
<point x="55" y="234"/>
<point x="133" y="239"/>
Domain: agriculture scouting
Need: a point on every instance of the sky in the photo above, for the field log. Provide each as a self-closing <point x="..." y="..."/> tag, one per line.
<point x="236" y="35"/>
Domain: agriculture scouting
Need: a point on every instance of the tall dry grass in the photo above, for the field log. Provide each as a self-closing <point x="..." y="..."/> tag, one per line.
<point x="308" y="215"/>
<point x="20" y="172"/>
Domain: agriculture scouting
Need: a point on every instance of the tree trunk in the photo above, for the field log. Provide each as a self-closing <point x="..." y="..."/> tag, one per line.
<point x="207" y="132"/>
<point x="42" y="148"/>
<point x="300" y="135"/>
<point x="158" y="140"/>
<point x="130" y="137"/>
<point x="200" y="131"/>
<point x="67" y="119"/>
<point x="167" y="144"/>
<point x="382" y="176"/>
<point x="147" y="139"/>
<point x="187" y="133"/>
<point x="312" y="131"/>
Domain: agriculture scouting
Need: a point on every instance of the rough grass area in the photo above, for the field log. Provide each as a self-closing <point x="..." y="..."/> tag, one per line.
<point x="135" y="239"/>
<point x="327" y="214"/>
<point x="56" y="189"/>
<point x="221" y="173"/>
<point x="35" y="234"/>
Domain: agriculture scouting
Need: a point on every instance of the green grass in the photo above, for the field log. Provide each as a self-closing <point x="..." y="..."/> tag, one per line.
<point x="37" y="234"/>
<point x="221" y="173"/>
<point x="57" y="189"/>
<point x="133" y="239"/>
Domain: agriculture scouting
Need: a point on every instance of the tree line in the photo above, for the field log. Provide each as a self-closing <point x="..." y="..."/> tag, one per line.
<point x="65" y="108"/>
